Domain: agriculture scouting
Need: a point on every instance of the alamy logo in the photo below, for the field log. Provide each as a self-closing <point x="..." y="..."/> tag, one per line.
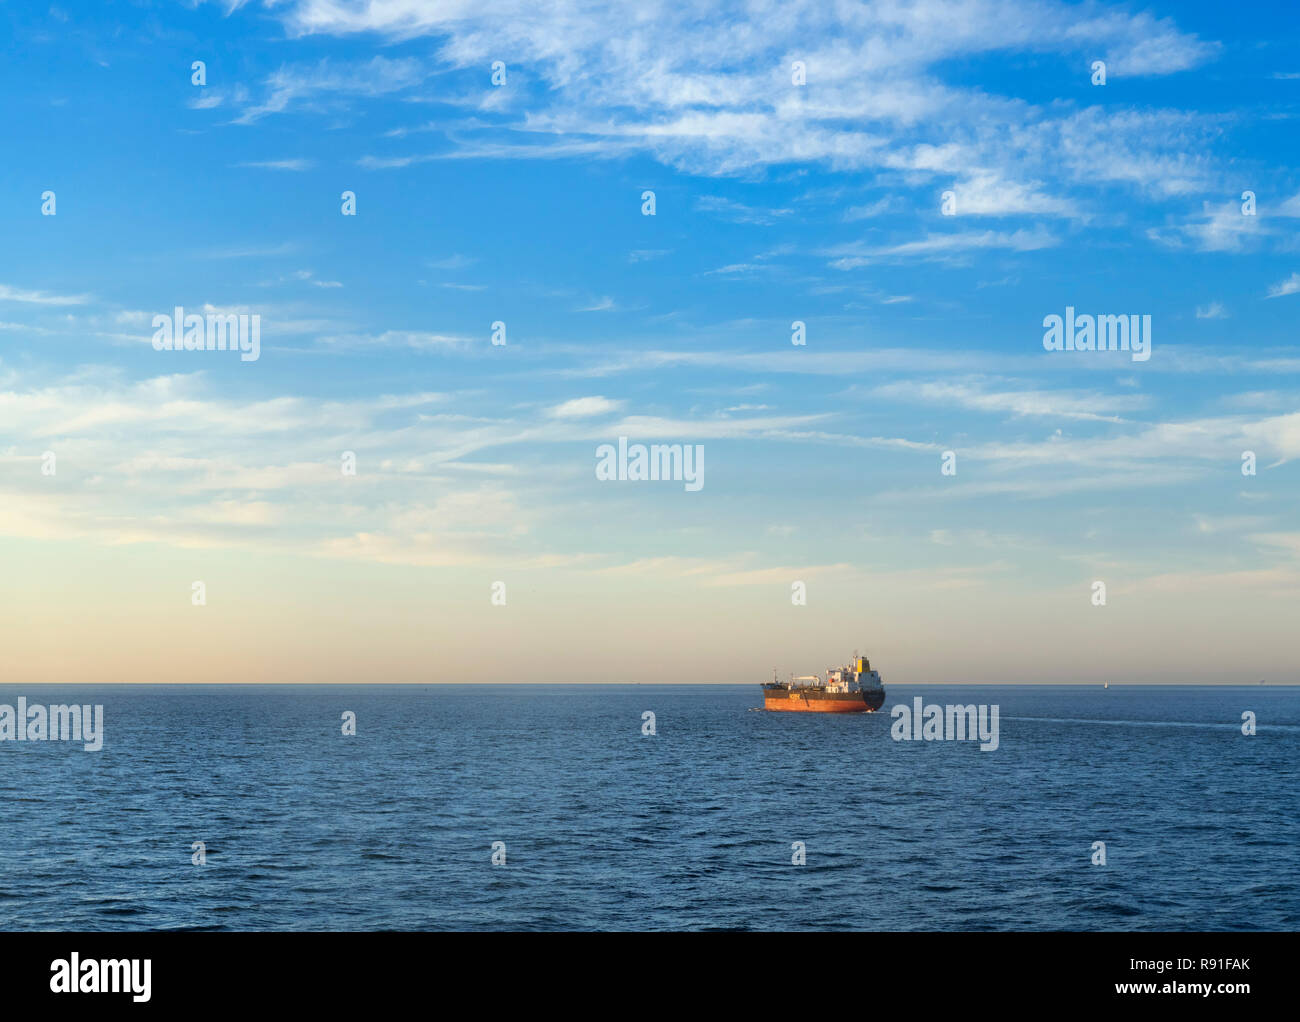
<point x="1098" y="333"/>
<point x="102" y="976"/>
<point x="214" y="331"/>
<point x="934" y="723"/>
<point x="677" y="462"/>
<point x="55" y="724"/>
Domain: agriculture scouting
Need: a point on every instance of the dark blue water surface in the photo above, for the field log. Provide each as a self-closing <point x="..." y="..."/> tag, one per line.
<point x="692" y="828"/>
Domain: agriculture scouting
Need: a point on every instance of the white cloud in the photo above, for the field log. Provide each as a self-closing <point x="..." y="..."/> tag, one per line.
<point x="713" y="95"/>
<point x="939" y="247"/>
<point x="294" y="164"/>
<point x="738" y="212"/>
<point x="323" y="83"/>
<point x="1219" y="228"/>
<point x="418" y="340"/>
<point x="13" y="294"/>
<point x="989" y="194"/>
<point x="1017" y="401"/>
<point x="585" y="408"/>
<point x="1289" y="286"/>
<point x="867" y="212"/>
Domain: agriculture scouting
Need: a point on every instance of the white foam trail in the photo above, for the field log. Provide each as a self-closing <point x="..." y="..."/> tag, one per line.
<point x="1158" y="723"/>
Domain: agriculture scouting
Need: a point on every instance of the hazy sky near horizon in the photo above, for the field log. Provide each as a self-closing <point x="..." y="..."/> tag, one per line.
<point x="522" y="203"/>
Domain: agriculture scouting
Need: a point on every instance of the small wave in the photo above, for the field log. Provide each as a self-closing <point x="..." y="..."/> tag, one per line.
<point x="1158" y="723"/>
<point x="120" y="910"/>
<point x="1112" y="908"/>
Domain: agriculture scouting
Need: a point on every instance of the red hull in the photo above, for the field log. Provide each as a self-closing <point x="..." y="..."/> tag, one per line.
<point x="795" y="701"/>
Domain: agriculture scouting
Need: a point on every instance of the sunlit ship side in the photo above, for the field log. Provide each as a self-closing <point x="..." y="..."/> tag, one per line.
<point x="855" y="688"/>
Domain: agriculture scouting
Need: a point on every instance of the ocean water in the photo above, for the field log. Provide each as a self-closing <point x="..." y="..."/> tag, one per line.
<point x="692" y="828"/>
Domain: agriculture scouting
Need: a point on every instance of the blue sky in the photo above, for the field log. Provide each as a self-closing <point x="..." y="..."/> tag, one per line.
<point x="775" y="202"/>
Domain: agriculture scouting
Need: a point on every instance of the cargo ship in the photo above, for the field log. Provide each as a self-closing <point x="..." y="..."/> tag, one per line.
<point x="855" y="688"/>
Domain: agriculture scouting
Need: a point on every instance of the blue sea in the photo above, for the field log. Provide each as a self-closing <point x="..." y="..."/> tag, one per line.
<point x="693" y="827"/>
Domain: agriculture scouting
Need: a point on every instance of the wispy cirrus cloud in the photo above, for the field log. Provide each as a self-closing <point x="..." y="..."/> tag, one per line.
<point x="30" y="297"/>
<point x="940" y="247"/>
<point x="1020" y="401"/>
<point x="600" y="90"/>
<point x="293" y="164"/>
<point x="738" y="212"/>
<point x="327" y="84"/>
